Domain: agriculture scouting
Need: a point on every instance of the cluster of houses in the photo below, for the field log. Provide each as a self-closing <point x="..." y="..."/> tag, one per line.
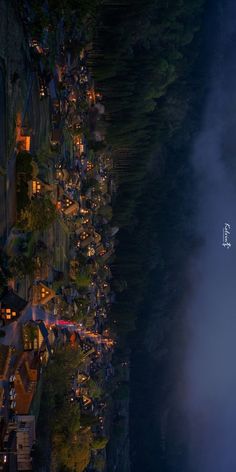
<point x="81" y="189"/>
<point x="81" y="390"/>
<point x="21" y="368"/>
<point x="20" y="373"/>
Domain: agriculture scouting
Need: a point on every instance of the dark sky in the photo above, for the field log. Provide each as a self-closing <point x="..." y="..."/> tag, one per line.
<point x="210" y="373"/>
<point x="183" y="416"/>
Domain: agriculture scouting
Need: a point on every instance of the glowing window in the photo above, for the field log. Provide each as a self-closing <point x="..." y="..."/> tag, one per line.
<point x="34" y="186"/>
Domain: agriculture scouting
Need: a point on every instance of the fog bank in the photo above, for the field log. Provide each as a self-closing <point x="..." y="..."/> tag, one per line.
<point x="210" y="367"/>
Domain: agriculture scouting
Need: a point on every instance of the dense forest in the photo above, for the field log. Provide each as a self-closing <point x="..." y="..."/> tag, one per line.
<point x="143" y="58"/>
<point x="147" y="64"/>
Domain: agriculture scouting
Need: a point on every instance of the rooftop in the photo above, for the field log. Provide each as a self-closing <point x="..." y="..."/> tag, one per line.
<point x="11" y="300"/>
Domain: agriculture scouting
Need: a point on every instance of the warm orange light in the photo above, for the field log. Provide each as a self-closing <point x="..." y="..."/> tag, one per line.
<point x="34" y="186"/>
<point x="27" y="143"/>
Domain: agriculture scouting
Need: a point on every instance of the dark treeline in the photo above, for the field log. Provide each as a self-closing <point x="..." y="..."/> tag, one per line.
<point x="147" y="64"/>
<point x="143" y="58"/>
<point x="159" y="437"/>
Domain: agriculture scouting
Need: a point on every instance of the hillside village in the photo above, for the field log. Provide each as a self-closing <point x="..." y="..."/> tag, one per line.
<point x="57" y="248"/>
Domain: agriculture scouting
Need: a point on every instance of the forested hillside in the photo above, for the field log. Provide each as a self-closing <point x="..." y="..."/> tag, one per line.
<point x="122" y="82"/>
<point x="143" y="60"/>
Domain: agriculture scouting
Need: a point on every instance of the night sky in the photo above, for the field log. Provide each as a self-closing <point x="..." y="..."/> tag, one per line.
<point x="195" y="428"/>
<point x="211" y="309"/>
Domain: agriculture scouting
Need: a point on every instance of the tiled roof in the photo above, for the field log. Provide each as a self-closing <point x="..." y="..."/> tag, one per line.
<point x="13" y="301"/>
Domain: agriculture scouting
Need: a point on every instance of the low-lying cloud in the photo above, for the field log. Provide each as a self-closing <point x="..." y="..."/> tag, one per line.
<point x="210" y="369"/>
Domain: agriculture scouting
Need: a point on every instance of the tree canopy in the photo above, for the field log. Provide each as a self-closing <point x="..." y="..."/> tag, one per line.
<point x="39" y="214"/>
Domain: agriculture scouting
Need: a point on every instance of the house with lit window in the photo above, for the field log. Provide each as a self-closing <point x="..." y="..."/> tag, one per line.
<point x="42" y="294"/>
<point x="31" y="336"/>
<point x="62" y="174"/>
<point x="38" y="187"/>
<point x="67" y="205"/>
<point x="89" y="166"/>
<point x="87" y="237"/>
<point x="82" y="223"/>
<point x="84" y="210"/>
<point x="86" y="402"/>
<point x="11" y="306"/>
<point x="80" y="145"/>
<point x="24" y="139"/>
<point x="99" y="200"/>
<point x="23" y="134"/>
<point x="82" y="378"/>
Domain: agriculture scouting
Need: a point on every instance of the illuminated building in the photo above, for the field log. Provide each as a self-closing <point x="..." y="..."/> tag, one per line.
<point x="11" y="306"/>
<point x="38" y="187"/>
<point x="80" y="144"/>
<point x="62" y="174"/>
<point x="42" y="294"/>
<point x="68" y="206"/>
<point x="32" y="336"/>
